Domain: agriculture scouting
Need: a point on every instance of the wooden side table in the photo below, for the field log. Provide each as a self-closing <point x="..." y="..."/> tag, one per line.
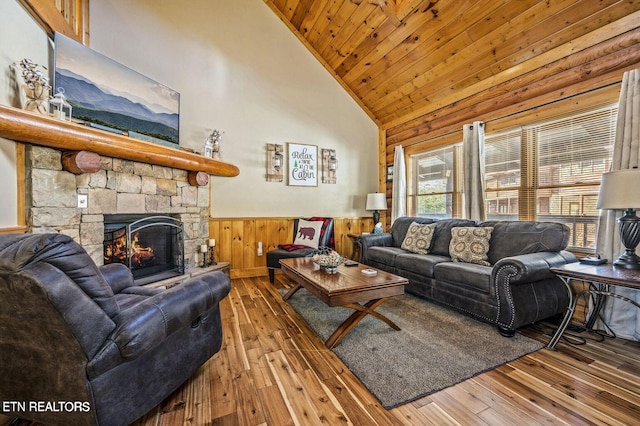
<point x="600" y="278"/>
<point x="356" y="247"/>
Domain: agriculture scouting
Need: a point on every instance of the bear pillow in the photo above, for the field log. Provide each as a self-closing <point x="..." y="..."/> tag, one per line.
<point x="308" y="233"/>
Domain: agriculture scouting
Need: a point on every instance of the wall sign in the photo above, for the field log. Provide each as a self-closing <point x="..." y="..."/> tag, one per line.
<point x="302" y="166"/>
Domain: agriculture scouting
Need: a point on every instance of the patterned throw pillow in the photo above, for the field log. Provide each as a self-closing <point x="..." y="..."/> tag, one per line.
<point x="418" y="238"/>
<point x="470" y="245"/>
<point x="308" y="233"/>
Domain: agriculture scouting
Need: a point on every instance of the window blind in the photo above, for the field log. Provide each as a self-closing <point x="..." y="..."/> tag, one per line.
<point x="436" y="182"/>
<point x="503" y="170"/>
<point x="551" y="171"/>
<point x="573" y="153"/>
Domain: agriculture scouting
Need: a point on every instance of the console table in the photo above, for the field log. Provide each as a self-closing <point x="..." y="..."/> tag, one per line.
<point x="600" y="278"/>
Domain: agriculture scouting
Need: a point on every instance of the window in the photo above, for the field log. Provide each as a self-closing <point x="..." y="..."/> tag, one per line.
<point x="573" y="153"/>
<point x="548" y="171"/>
<point x="436" y="184"/>
<point x="551" y="172"/>
<point x="502" y="170"/>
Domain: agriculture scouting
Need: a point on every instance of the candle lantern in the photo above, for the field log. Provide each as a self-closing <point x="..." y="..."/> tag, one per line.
<point x="60" y="108"/>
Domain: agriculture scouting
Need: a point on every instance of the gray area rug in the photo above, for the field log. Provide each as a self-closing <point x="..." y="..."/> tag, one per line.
<point x="435" y="348"/>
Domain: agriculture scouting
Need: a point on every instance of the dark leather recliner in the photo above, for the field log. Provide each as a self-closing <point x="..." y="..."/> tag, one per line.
<point x="87" y="344"/>
<point x="326" y="240"/>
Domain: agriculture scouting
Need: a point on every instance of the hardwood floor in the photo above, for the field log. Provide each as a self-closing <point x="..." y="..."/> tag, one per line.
<point x="274" y="370"/>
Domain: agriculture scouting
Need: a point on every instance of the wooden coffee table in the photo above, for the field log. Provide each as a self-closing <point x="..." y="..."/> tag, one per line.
<point x="349" y="287"/>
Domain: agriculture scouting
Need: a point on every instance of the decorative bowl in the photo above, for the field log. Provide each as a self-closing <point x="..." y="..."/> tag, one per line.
<point x="328" y="260"/>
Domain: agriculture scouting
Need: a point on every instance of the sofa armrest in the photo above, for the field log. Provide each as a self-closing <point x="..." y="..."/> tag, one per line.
<point x="118" y="276"/>
<point x="373" y="240"/>
<point x="146" y="324"/>
<point x="529" y="267"/>
<point x="526" y="290"/>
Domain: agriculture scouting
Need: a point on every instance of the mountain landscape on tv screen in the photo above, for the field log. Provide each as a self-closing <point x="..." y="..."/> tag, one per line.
<point x="96" y="105"/>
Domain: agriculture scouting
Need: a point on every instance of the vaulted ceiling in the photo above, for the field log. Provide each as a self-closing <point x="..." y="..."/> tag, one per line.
<point x="401" y="59"/>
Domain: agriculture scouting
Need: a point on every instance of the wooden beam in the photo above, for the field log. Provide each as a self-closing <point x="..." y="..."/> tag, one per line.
<point x="21" y="175"/>
<point x="390" y="11"/>
<point x="79" y="162"/>
<point x="198" y="178"/>
<point x="382" y="174"/>
<point x="617" y="35"/>
<point x="23" y="126"/>
<point x="14" y="230"/>
<point x="50" y="18"/>
<point x="397" y="10"/>
<point x="82" y="18"/>
<point x="564" y="73"/>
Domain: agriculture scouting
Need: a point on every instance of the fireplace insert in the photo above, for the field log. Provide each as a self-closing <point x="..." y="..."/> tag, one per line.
<point x="151" y="246"/>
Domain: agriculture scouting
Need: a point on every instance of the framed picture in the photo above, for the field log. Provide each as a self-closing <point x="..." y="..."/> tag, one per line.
<point x="302" y="164"/>
<point x="110" y="96"/>
<point x="390" y="173"/>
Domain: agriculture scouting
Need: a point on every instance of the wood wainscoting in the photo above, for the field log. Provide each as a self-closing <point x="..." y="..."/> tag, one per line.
<point x="237" y="239"/>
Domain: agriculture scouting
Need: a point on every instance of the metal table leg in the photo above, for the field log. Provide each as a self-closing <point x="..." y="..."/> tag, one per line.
<point x="601" y="290"/>
<point x="567" y="316"/>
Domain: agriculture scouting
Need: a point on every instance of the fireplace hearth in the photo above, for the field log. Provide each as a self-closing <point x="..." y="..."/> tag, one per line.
<point x="151" y="246"/>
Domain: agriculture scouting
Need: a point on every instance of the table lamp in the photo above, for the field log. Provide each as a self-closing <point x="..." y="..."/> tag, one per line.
<point x="376" y="201"/>
<point x="619" y="191"/>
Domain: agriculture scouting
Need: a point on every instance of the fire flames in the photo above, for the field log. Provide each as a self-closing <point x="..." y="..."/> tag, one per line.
<point x="116" y="252"/>
<point x="141" y="256"/>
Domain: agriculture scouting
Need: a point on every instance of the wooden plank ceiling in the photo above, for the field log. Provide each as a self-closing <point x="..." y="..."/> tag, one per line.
<point x="402" y="59"/>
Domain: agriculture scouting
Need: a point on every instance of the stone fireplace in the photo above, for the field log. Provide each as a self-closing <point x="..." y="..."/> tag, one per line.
<point x="121" y="188"/>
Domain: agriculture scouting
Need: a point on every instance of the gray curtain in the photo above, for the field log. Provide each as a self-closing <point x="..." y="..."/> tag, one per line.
<point x="622" y="317"/>
<point x="473" y="171"/>
<point x="399" y="188"/>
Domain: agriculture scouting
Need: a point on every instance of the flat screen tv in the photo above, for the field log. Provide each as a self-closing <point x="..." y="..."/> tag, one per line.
<point x="106" y="93"/>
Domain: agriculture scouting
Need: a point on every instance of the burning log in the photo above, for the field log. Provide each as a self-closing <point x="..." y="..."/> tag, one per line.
<point x="141" y="256"/>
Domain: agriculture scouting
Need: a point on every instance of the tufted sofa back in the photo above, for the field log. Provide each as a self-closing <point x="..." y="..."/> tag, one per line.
<point x="512" y="238"/>
<point x="441" y="235"/>
<point x="509" y="238"/>
<point x="401" y="226"/>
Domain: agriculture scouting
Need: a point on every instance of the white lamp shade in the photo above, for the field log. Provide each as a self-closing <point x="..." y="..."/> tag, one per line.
<point x="620" y="190"/>
<point x="376" y="201"/>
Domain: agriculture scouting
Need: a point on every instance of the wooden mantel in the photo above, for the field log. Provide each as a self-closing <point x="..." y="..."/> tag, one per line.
<point x="27" y="127"/>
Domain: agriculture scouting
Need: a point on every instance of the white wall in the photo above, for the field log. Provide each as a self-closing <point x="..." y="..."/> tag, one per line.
<point x="20" y="37"/>
<point x="240" y="70"/>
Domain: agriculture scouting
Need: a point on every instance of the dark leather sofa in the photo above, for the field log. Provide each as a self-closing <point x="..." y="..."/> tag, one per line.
<point x="515" y="290"/>
<point x="82" y="345"/>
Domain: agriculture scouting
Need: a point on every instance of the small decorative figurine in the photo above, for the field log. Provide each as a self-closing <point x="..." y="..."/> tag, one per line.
<point x="212" y="145"/>
<point x="36" y="87"/>
<point x="378" y="228"/>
